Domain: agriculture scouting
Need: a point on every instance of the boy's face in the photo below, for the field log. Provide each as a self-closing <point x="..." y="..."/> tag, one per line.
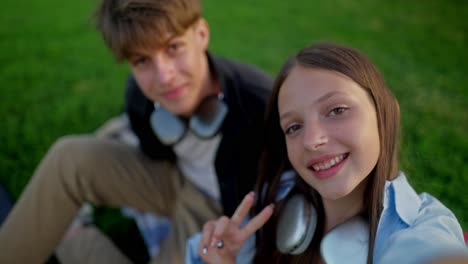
<point x="176" y="74"/>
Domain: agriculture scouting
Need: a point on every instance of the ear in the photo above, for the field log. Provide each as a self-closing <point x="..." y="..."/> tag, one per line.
<point x="203" y="33"/>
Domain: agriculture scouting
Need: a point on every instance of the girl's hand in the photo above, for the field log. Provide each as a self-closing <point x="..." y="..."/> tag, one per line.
<point x="222" y="239"/>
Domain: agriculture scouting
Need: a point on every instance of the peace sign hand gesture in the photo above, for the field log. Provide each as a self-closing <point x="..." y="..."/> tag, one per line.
<point x="222" y="239"/>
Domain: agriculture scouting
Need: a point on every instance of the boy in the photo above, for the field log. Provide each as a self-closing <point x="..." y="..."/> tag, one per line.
<point x="198" y="119"/>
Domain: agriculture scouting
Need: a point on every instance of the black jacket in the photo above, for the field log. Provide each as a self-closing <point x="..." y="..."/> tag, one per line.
<point x="246" y="90"/>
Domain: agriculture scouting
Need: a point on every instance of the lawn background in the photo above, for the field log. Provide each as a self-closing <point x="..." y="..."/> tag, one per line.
<point x="57" y="78"/>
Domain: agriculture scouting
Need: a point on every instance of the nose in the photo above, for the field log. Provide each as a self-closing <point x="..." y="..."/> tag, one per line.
<point x="165" y="69"/>
<point x="315" y="135"/>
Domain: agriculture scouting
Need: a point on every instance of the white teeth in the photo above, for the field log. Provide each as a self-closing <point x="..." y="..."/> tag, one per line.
<point x="328" y="164"/>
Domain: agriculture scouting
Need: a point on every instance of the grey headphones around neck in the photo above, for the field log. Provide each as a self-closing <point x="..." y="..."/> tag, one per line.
<point x="205" y="123"/>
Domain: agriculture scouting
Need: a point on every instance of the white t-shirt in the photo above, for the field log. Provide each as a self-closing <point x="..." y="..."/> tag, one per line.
<point x="195" y="159"/>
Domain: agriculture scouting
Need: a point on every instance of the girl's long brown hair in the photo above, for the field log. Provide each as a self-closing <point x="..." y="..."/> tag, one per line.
<point x="361" y="70"/>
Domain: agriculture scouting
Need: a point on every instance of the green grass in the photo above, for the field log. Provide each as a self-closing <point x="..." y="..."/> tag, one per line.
<point x="58" y="78"/>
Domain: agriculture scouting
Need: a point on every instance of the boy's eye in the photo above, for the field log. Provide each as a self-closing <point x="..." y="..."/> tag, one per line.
<point x="291" y="129"/>
<point x="174" y="47"/>
<point x="338" y="111"/>
<point x="140" y="61"/>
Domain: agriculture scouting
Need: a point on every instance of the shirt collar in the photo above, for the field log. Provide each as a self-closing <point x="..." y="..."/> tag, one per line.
<point x="401" y="195"/>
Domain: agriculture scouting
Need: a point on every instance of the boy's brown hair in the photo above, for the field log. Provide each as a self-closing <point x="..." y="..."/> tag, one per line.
<point x="130" y="25"/>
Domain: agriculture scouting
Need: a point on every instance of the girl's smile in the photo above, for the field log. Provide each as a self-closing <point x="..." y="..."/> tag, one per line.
<point x="328" y="167"/>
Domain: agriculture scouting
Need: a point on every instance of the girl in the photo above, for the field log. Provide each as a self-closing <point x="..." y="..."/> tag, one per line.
<point x="333" y="121"/>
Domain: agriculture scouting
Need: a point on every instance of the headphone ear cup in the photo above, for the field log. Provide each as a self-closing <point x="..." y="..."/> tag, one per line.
<point x="296" y="225"/>
<point x="167" y="127"/>
<point x="352" y="240"/>
<point x="209" y="118"/>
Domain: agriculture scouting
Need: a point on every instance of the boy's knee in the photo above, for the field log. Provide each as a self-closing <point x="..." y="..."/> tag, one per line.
<point x="67" y="144"/>
<point x="75" y="149"/>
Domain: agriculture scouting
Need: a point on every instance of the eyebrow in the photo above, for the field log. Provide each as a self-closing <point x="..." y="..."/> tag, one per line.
<point x="164" y="43"/>
<point x="170" y="39"/>
<point x="319" y="100"/>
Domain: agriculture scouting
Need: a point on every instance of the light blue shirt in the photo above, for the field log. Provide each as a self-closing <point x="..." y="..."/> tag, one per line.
<point x="415" y="228"/>
<point x="412" y="229"/>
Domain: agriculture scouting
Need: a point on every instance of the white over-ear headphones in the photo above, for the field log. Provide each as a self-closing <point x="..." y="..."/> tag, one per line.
<point x="297" y="222"/>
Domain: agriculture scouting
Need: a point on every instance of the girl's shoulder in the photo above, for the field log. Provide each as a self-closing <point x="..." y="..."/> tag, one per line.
<point x="415" y="228"/>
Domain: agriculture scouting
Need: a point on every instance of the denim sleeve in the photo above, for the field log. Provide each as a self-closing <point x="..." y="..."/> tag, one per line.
<point x="191" y="253"/>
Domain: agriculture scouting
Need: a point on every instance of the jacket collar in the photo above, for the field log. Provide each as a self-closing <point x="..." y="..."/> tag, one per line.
<point x="217" y="71"/>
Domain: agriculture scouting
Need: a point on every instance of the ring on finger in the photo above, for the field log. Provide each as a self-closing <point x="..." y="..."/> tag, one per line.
<point x="204" y="250"/>
<point x="220" y="244"/>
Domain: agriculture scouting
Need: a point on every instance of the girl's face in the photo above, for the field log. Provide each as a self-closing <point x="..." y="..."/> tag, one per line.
<point x="331" y="132"/>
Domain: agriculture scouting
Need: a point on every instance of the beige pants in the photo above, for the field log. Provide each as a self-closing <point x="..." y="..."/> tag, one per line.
<point x="80" y="169"/>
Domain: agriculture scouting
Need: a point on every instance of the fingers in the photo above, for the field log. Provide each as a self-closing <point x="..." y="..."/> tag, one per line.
<point x="207" y="233"/>
<point x="212" y="248"/>
<point x="243" y="209"/>
<point x="220" y="229"/>
<point x="258" y="221"/>
<point x="225" y="233"/>
<point x="212" y="234"/>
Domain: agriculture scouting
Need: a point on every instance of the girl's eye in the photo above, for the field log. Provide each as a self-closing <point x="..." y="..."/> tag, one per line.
<point x="338" y="111"/>
<point x="291" y="129"/>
